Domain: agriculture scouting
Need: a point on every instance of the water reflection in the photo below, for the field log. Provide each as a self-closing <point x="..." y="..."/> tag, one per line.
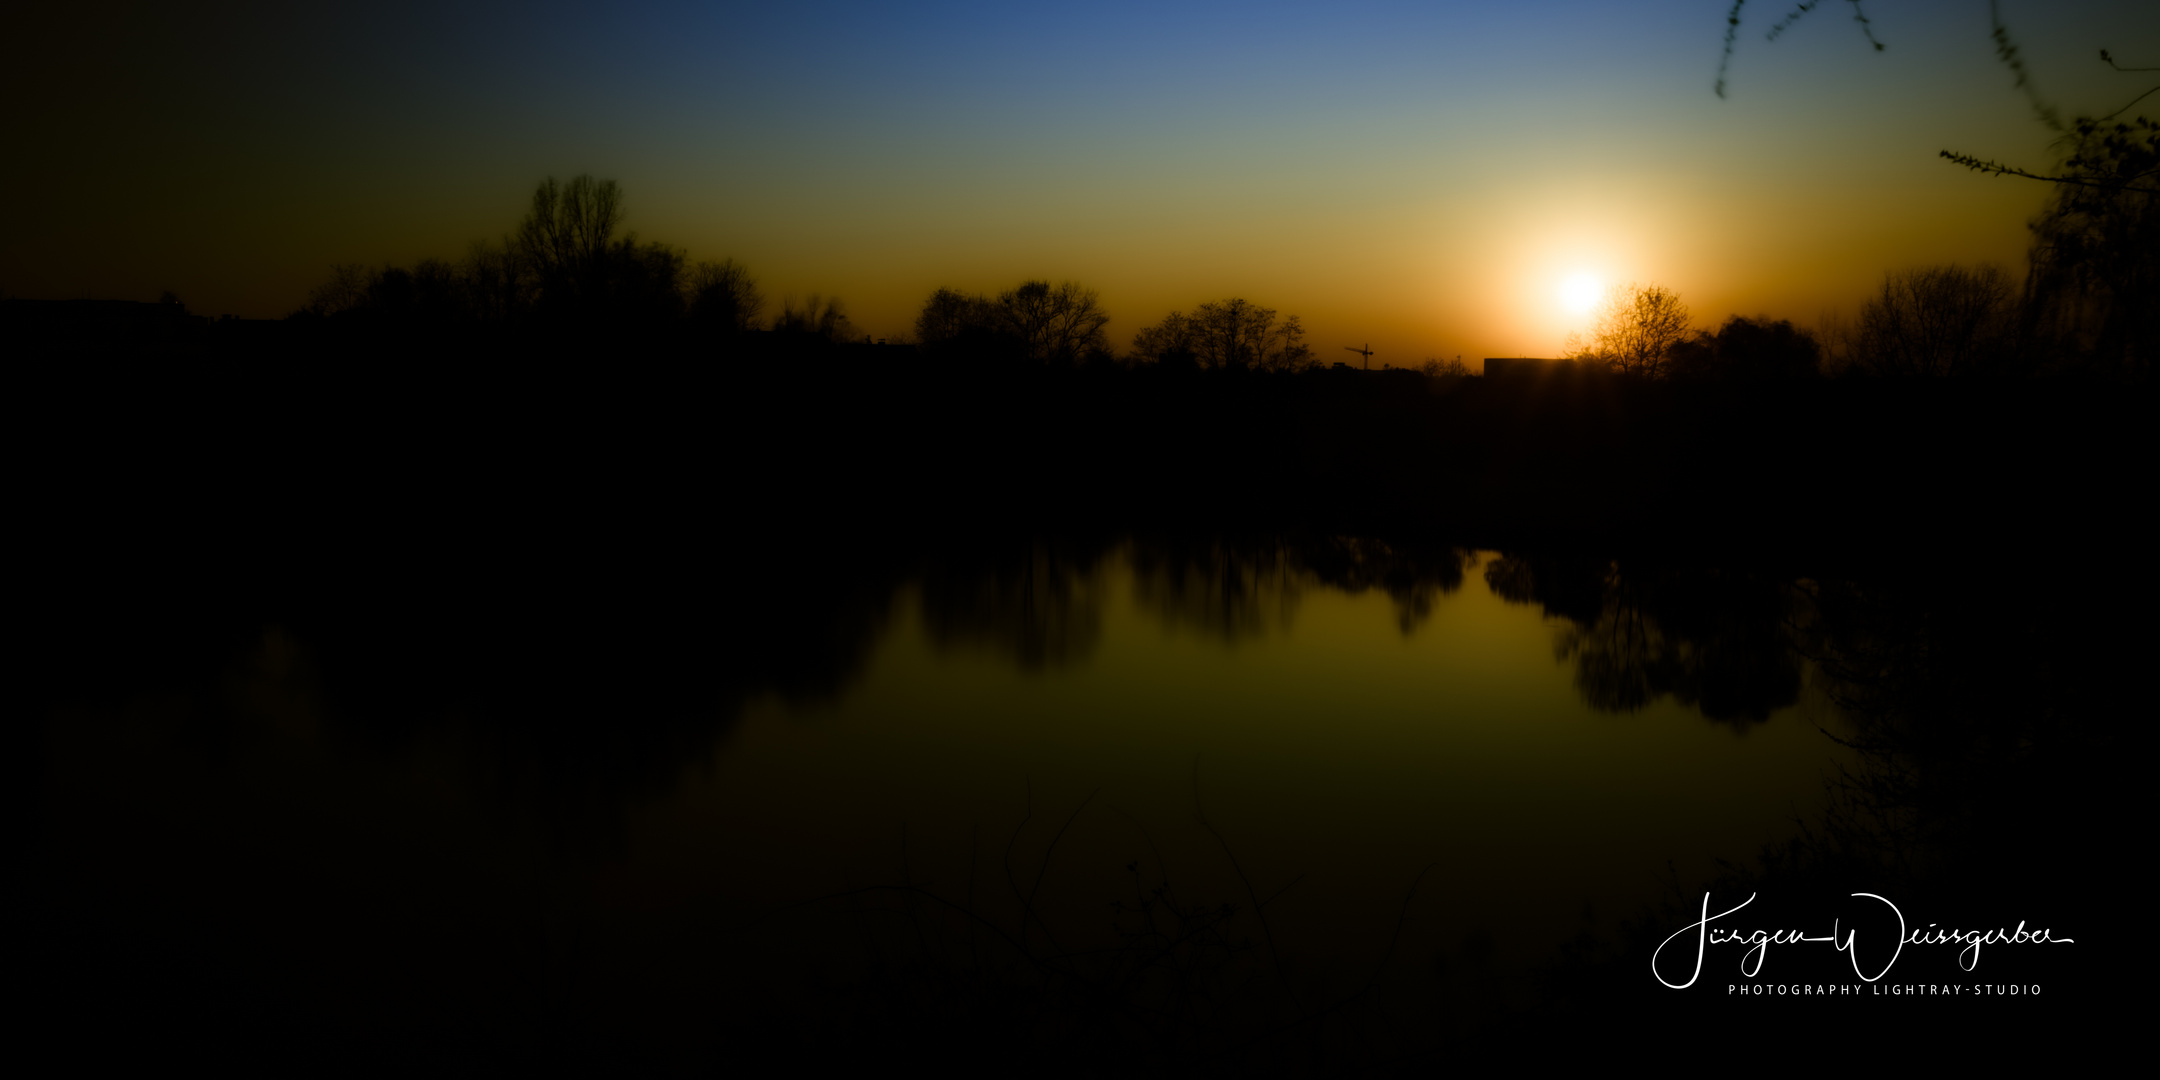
<point x="1414" y="576"/>
<point x="1995" y="776"/>
<point x="1038" y="603"/>
<point x="587" y="696"/>
<point x="1241" y="588"/>
<point x="551" y="783"/>
<point x="1713" y="640"/>
<point x="1995" y="730"/>
<point x="1225" y="590"/>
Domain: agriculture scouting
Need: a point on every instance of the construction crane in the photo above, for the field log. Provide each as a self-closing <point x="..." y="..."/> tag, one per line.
<point x="1365" y="352"/>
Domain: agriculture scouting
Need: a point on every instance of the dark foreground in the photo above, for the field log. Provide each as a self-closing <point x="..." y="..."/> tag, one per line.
<point x="535" y="547"/>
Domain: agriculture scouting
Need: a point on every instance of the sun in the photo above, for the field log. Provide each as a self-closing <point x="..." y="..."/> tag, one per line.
<point x="1579" y="293"/>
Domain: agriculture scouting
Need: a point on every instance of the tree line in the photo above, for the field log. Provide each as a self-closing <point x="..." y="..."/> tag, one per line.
<point x="1941" y="321"/>
<point x="569" y="265"/>
<point x="2088" y="303"/>
<point x="2090" y="298"/>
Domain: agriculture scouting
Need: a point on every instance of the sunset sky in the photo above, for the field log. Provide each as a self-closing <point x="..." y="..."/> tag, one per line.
<point x="1424" y="177"/>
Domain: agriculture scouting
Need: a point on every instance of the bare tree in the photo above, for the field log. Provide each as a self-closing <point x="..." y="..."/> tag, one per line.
<point x="565" y="237"/>
<point x="564" y="264"/>
<point x="723" y="295"/>
<point x="1231" y="335"/>
<point x="2094" y="288"/>
<point x="1167" y="342"/>
<point x="1747" y="349"/>
<point x="347" y="289"/>
<point x="1059" y="323"/>
<point x="570" y="226"/>
<point x="1637" y="329"/>
<point x="1939" y="320"/>
<point x="816" y="316"/>
<point x="499" y="283"/>
<point x="641" y="284"/>
<point x="950" y="313"/>
<point x="581" y="269"/>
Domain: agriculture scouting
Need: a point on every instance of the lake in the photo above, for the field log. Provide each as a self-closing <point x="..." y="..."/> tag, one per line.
<point x="595" y="811"/>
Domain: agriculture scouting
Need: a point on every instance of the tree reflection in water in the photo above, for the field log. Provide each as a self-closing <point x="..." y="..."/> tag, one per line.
<point x="1231" y="590"/>
<point x="1039" y="603"/>
<point x="1994" y="727"/>
<point x="1998" y="783"/>
<point x="1987" y="721"/>
<point x="1714" y="640"/>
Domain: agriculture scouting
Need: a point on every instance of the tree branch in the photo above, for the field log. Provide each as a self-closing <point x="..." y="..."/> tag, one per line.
<point x="1996" y="168"/>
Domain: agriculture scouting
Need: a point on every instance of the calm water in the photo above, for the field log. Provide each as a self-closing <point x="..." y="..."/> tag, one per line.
<point x="1332" y="735"/>
<point x="629" y="816"/>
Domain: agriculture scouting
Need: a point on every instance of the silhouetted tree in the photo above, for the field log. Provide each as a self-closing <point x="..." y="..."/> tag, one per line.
<point x="1749" y="349"/>
<point x="643" y="284"/>
<point x="1169" y="343"/>
<point x="950" y="314"/>
<point x="567" y="232"/>
<point x="499" y="285"/>
<point x="431" y="296"/>
<point x="2093" y="293"/>
<point x="1058" y="323"/>
<point x="2094" y="286"/>
<point x="815" y="316"/>
<point x="347" y="289"/>
<point x="1228" y="335"/>
<point x="723" y="296"/>
<point x="1637" y="329"/>
<point x="563" y="266"/>
<point x="583" y="273"/>
<point x="1936" y="321"/>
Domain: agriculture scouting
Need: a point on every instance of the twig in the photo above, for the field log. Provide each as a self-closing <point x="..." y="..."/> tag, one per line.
<point x="1259" y="909"/>
<point x="906" y="878"/>
<point x="1027" y="814"/>
<point x="2007" y="52"/>
<point x="1044" y="871"/>
<point x="974" y="837"/>
<point x="1386" y="957"/>
<point x="1994" y="168"/>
